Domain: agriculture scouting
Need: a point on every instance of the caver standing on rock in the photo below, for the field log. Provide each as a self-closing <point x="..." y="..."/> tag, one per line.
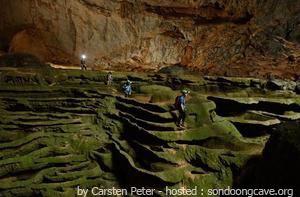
<point x="127" y="88"/>
<point x="180" y="106"/>
<point x="109" y="78"/>
<point x="83" y="63"/>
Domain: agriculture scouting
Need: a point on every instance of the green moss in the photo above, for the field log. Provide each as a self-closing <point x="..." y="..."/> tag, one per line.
<point x="158" y="93"/>
<point x="254" y="118"/>
<point x="200" y="112"/>
<point x="208" y="131"/>
<point x="73" y="134"/>
<point x="85" y="145"/>
<point x="106" y="160"/>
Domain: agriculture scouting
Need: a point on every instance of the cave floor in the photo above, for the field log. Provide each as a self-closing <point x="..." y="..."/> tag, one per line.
<point x="61" y="129"/>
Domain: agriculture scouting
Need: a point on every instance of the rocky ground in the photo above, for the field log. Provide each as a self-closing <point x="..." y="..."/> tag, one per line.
<point x="65" y="128"/>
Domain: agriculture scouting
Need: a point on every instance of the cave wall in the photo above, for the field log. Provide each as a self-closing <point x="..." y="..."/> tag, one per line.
<point x="210" y="36"/>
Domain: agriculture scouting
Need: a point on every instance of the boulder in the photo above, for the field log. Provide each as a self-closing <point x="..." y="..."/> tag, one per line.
<point x="278" y="84"/>
<point x="278" y="168"/>
<point x="283" y="149"/>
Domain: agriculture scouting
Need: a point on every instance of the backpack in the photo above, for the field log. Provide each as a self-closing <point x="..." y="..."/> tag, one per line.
<point x="177" y="104"/>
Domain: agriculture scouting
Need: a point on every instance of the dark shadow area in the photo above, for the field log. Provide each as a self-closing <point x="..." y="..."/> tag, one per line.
<point x="21" y="60"/>
<point x="252" y="130"/>
<point x="278" y="167"/>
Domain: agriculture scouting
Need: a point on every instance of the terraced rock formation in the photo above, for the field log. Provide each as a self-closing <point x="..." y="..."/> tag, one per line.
<point x="74" y="131"/>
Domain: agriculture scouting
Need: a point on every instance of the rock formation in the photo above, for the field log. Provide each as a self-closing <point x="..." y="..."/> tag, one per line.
<point x="60" y="129"/>
<point x="63" y="129"/>
<point x="235" y="38"/>
<point x="282" y="150"/>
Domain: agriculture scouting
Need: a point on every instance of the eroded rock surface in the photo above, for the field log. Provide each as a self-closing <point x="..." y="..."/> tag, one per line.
<point x="72" y="130"/>
<point x="234" y="38"/>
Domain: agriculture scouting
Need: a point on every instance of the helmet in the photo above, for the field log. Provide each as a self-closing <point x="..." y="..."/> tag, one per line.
<point x="185" y="91"/>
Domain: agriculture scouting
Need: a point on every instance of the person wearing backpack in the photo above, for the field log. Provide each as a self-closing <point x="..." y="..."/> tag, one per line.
<point x="127" y="88"/>
<point x="180" y="106"/>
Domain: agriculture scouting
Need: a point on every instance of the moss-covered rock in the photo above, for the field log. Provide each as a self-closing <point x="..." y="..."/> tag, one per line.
<point x="73" y="130"/>
<point x="158" y="93"/>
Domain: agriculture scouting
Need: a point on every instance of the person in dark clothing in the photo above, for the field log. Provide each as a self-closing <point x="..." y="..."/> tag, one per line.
<point x="83" y="63"/>
<point x="180" y="106"/>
